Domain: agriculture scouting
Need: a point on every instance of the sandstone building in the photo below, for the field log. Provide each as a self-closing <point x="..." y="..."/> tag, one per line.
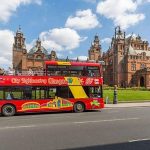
<point x="24" y="60"/>
<point x="127" y="61"/>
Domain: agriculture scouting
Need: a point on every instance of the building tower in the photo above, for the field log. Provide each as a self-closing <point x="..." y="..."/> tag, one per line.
<point x="119" y="51"/>
<point x="19" y="49"/>
<point x="95" y="49"/>
<point x="53" y="55"/>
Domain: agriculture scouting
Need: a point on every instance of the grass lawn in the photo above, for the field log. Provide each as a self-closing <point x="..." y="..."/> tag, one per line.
<point x="129" y="95"/>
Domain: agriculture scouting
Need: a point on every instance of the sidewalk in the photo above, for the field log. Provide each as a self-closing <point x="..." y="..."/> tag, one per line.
<point x="121" y="105"/>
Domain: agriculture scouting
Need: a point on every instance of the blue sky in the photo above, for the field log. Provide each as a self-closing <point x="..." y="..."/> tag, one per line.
<point x="69" y="26"/>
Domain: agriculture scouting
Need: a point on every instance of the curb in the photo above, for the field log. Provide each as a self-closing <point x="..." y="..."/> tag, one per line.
<point x="127" y="105"/>
<point x="134" y="101"/>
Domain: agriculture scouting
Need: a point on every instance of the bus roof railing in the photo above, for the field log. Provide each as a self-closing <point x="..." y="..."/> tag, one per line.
<point x="25" y="73"/>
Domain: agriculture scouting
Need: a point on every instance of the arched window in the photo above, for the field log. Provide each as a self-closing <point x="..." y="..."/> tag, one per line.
<point x="133" y="66"/>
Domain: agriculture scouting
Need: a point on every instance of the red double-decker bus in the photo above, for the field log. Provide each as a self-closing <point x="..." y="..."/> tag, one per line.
<point x="64" y="86"/>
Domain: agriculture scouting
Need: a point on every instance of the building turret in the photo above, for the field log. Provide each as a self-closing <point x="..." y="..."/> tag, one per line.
<point x="19" y="49"/>
<point x="53" y="55"/>
<point x="19" y="41"/>
<point x="95" y="49"/>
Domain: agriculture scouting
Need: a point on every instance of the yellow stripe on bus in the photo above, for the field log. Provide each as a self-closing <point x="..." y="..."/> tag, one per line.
<point x="76" y="87"/>
<point x="78" y="92"/>
<point x="63" y="63"/>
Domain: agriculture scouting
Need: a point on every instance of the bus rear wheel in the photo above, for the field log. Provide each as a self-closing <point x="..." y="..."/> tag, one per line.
<point x="79" y="107"/>
<point x="8" y="110"/>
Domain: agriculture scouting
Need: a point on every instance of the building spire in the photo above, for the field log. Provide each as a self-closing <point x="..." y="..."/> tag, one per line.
<point x="19" y="27"/>
<point x="67" y="59"/>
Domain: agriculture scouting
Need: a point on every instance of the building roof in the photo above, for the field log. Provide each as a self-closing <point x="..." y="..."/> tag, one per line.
<point x="38" y="48"/>
<point x="132" y="51"/>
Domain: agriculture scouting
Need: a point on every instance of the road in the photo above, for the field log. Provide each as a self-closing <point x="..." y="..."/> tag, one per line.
<point x="113" y="128"/>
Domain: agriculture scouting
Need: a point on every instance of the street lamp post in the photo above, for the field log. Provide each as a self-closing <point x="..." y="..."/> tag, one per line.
<point x="115" y="59"/>
<point x="115" y="99"/>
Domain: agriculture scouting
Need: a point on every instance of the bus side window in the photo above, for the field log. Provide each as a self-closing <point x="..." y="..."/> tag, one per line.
<point x="93" y="91"/>
<point x="64" y="92"/>
<point x="52" y="92"/>
<point x="27" y="93"/>
<point x="10" y="96"/>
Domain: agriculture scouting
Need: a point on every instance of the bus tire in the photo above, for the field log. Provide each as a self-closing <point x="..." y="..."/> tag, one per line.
<point x="79" y="107"/>
<point x="8" y="110"/>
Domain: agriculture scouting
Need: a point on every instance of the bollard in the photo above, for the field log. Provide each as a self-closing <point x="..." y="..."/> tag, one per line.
<point x="115" y="100"/>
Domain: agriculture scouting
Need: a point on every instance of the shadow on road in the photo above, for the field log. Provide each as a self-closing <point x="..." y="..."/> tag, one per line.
<point x="142" y="145"/>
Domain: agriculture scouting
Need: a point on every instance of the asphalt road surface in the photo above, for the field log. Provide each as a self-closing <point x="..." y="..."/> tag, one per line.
<point x="110" y="129"/>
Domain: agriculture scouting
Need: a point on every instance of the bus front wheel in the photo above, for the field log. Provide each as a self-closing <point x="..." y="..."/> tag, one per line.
<point x="79" y="107"/>
<point x="8" y="110"/>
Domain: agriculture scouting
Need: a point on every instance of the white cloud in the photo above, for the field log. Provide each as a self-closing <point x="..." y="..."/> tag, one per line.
<point x="5" y="63"/>
<point x="84" y="19"/>
<point x="70" y="52"/>
<point x="61" y="39"/>
<point x="81" y="58"/>
<point x="6" y="42"/>
<point x="106" y="40"/>
<point x="8" y="7"/>
<point x="122" y="12"/>
<point x="142" y="1"/>
<point x="30" y="45"/>
<point x="60" y="55"/>
<point x="49" y="44"/>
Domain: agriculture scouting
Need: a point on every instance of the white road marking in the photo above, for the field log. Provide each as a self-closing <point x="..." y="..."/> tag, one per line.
<point x="138" y="140"/>
<point x="62" y="123"/>
<point x="16" y="127"/>
<point x="108" y="120"/>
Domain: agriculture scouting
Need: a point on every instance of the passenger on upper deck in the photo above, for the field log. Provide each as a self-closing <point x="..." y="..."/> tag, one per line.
<point x="91" y="73"/>
<point x="10" y="96"/>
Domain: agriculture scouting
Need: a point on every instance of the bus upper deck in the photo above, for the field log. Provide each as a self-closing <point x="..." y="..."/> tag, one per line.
<point x="62" y="68"/>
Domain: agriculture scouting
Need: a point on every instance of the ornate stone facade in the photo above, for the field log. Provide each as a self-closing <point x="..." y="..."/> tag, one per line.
<point x="24" y="60"/>
<point x="127" y="61"/>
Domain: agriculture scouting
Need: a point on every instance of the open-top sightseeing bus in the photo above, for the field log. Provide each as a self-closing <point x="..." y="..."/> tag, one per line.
<point x="65" y="86"/>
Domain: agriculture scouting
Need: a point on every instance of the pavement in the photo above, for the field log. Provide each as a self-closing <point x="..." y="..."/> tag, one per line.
<point x="125" y="105"/>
